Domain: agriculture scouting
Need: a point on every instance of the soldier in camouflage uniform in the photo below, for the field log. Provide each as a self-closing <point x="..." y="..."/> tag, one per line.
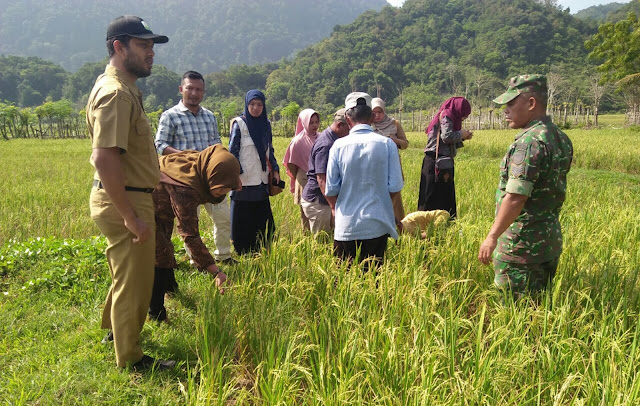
<point x="526" y="234"/>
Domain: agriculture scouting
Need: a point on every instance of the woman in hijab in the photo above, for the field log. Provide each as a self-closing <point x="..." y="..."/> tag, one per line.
<point x="252" y="223"/>
<point x="391" y="128"/>
<point x="444" y="136"/>
<point x="188" y="179"/>
<point x="296" y="159"/>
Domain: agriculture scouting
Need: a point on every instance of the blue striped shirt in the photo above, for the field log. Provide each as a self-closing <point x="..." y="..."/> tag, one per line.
<point x="181" y="129"/>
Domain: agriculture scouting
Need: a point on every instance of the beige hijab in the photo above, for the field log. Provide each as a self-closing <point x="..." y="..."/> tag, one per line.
<point x="387" y="126"/>
<point x="205" y="171"/>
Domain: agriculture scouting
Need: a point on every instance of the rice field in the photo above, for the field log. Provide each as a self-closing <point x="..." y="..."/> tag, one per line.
<point x="297" y="327"/>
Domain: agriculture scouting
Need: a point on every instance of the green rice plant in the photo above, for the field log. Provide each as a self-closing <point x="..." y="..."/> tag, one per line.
<point x="297" y="326"/>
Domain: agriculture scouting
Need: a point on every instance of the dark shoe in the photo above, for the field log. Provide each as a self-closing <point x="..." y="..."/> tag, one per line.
<point x="108" y="338"/>
<point x="229" y="261"/>
<point x="171" y="285"/>
<point x="157" y="310"/>
<point x="159" y="316"/>
<point x="148" y="362"/>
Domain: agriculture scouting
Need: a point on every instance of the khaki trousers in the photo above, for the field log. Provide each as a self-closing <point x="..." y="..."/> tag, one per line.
<point x="301" y="182"/>
<point x="221" y="216"/>
<point x="132" y="272"/>
<point x="319" y="216"/>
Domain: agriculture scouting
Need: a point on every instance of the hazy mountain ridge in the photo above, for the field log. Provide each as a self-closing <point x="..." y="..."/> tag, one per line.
<point x="622" y="12"/>
<point x="206" y="35"/>
<point x="599" y="13"/>
<point x="412" y="56"/>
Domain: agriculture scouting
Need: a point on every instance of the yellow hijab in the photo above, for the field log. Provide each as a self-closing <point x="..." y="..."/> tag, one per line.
<point x="205" y="171"/>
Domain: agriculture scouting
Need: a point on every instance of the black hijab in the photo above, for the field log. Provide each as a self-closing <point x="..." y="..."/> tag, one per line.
<point x="259" y="127"/>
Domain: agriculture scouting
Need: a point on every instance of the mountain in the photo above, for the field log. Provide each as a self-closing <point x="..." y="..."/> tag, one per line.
<point x="429" y="48"/>
<point x="599" y="13"/>
<point x="622" y="12"/>
<point x="412" y="57"/>
<point x="205" y="35"/>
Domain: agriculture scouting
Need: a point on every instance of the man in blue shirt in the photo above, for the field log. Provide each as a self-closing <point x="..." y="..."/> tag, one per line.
<point x="188" y="125"/>
<point x="363" y="173"/>
<point x="314" y="203"/>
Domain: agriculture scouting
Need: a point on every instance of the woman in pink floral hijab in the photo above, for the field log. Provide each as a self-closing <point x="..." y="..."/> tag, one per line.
<point x="296" y="159"/>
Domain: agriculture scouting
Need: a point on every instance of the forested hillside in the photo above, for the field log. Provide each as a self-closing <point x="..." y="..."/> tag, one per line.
<point x="411" y="56"/>
<point x="622" y="12"/>
<point x="206" y="35"/>
<point x="599" y="13"/>
<point x="433" y="47"/>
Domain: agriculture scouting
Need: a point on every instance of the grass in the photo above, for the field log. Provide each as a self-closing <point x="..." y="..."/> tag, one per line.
<point x="298" y="328"/>
<point x="611" y="120"/>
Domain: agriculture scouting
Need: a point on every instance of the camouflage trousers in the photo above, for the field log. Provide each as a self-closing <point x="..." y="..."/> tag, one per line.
<point x="523" y="278"/>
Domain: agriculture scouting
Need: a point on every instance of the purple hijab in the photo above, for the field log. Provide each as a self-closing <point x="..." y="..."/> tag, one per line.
<point x="456" y="108"/>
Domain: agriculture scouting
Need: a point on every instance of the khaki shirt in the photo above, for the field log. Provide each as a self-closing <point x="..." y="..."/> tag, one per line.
<point x="116" y="118"/>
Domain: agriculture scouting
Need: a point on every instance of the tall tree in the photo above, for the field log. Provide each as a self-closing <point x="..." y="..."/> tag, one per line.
<point x="597" y="89"/>
<point x="617" y="47"/>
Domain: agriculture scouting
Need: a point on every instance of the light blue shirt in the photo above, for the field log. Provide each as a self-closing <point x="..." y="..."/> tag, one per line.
<point x="363" y="169"/>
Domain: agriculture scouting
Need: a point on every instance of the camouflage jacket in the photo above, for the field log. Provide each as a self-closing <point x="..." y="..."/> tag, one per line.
<point x="536" y="165"/>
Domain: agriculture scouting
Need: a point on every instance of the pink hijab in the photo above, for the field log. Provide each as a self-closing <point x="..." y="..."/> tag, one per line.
<point x="299" y="148"/>
<point x="456" y="108"/>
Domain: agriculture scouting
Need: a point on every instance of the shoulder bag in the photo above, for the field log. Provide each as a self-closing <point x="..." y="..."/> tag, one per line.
<point x="443" y="164"/>
<point x="275" y="188"/>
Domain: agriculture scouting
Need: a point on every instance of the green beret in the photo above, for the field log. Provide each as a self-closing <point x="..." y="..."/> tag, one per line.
<point x="522" y="84"/>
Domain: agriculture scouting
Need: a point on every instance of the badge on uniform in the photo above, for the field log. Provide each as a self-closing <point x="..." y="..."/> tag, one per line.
<point x="517" y="166"/>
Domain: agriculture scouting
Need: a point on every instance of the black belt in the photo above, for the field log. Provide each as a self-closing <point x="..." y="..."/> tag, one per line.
<point x="98" y="184"/>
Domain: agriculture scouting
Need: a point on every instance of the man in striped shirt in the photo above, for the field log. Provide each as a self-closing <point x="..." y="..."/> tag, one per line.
<point x="188" y="125"/>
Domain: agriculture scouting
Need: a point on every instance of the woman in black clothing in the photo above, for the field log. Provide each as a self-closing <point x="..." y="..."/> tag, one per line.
<point x="444" y="136"/>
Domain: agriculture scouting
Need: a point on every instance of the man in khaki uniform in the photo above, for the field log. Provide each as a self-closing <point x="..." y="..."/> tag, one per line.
<point x="127" y="171"/>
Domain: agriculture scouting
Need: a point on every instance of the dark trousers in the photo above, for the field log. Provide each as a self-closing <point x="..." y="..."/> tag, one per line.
<point x="434" y="194"/>
<point x="163" y="282"/>
<point x="373" y="249"/>
<point x="252" y="225"/>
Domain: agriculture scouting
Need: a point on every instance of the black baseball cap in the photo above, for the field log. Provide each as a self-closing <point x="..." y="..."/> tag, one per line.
<point x="133" y="26"/>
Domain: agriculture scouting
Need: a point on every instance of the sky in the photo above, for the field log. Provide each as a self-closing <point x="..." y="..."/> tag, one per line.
<point x="574" y="5"/>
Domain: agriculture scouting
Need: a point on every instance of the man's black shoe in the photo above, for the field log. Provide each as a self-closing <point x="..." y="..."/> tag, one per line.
<point x="159" y="316"/>
<point x="148" y="362"/>
<point x="108" y="338"/>
<point x="229" y="261"/>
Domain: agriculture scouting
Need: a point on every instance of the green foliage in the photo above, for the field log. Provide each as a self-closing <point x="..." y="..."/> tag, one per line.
<point x="231" y="109"/>
<point x="163" y="85"/>
<point x="154" y="118"/>
<point x="423" y="43"/>
<point x="70" y="262"/>
<point x="413" y="57"/>
<point x="632" y="6"/>
<point x="291" y="111"/>
<point x="50" y="120"/>
<point x="29" y="81"/>
<point x="617" y="46"/>
<point x="299" y="327"/>
<point x="79" y="83"/>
